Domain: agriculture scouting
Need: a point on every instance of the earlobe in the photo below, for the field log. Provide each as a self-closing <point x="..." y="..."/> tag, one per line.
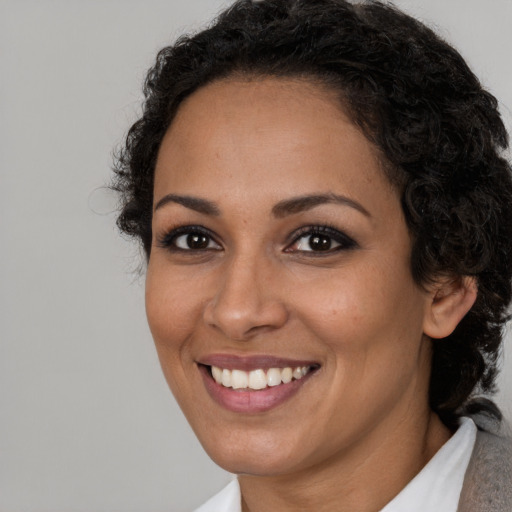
<point x="449" y="302"/>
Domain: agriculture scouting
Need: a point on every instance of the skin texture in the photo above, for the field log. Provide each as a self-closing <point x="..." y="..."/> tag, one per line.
<point x="360" y="427"/>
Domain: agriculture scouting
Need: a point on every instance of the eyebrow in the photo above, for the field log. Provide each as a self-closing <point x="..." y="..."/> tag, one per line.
<point x="193" y="203"/>
<point x="304" y="203"/>
<point x="281" y="209"/>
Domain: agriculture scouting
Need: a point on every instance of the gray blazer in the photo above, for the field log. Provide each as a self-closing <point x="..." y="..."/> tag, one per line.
<point x="488" y="481"/>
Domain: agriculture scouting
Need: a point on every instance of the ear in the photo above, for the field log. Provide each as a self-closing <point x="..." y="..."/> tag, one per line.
<point x="450" y="300"/>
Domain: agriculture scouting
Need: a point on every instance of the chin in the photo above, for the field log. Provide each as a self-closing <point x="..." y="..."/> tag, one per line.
<point x="257" y="454"/>
<point x="253" y="464"/>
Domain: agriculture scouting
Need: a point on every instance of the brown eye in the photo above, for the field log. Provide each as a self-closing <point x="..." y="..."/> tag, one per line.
<point x="320" y="239"/>
<point x="189" y="239"/>
<point x="194" y="242"/>
<point x="320" y="242"/>
<point x="316" y="242"/>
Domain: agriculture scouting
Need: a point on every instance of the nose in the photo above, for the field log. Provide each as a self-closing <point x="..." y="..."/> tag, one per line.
<point x="247" y="301"/>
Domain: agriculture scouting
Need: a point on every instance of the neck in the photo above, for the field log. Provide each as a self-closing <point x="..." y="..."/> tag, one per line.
<point x="363" y="478"/>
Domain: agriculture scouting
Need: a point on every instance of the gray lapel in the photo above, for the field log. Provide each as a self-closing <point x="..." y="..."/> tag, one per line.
<point x="488" y="481"/>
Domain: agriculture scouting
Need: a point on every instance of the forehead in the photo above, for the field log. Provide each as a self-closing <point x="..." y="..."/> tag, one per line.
<point x="287" y="134"/>
<point x="232" y="96"/>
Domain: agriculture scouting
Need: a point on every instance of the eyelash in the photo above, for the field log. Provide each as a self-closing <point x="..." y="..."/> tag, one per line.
<point x="168" y="240"/>
<point x="344" y="241"/>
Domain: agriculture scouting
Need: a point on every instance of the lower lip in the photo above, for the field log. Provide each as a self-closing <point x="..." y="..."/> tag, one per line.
<point x="253" y="401"/>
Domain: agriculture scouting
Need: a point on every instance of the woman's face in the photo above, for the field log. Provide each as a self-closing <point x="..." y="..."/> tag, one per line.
<point x="280" y="252"/>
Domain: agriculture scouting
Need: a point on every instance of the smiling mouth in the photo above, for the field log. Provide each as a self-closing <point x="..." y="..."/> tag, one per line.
<point x="258" y="379"/>
<point x="254" y="384"/>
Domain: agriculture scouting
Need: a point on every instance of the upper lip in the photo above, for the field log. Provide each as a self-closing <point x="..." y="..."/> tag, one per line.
<point x="253" y="362"/>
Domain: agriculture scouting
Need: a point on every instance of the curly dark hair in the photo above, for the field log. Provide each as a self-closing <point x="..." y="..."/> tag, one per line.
<point x="413" y="96"/>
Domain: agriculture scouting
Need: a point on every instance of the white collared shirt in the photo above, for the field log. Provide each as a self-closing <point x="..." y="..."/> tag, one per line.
<point x="435" y="488"/>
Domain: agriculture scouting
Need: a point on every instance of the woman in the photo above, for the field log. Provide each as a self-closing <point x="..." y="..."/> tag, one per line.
<point x="320" y="191"/>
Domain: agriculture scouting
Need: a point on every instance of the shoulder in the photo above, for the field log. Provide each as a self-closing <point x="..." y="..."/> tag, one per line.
<point x="488" y="481"/>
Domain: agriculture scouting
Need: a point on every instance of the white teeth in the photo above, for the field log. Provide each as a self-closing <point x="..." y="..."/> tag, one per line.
<point x="274" y="377"/>
<point x="257" y="379"/>
<point x="286" y="375"/>
<point x="226" y="378"/>
<point x="217" y="374"/>
<point x="297" y="372"/>
<point x="239" y="379"/>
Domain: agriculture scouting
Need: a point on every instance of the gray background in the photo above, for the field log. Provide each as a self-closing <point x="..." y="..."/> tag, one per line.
<point x="86" y="420"/>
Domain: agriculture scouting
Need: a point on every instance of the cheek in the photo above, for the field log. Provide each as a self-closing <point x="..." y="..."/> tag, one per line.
<point x="171" y="309"/>
<point x="341" y="304"/>
<point x="168" y="310"/>
<point x="366" y="314"/>
<point x="372" y="331"/>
